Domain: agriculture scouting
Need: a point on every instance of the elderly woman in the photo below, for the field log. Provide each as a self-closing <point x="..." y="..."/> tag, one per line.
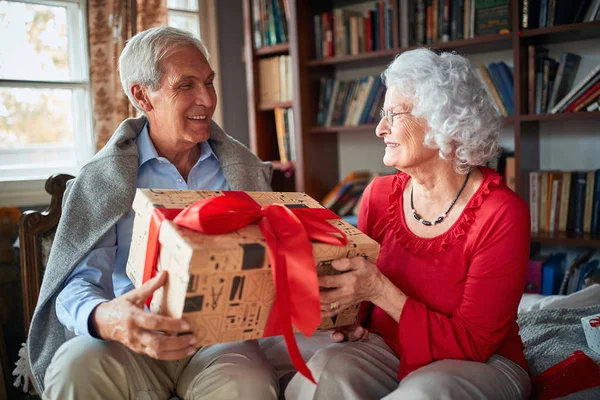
<point x="438" y="319"/>
<point x="119" y="350"/>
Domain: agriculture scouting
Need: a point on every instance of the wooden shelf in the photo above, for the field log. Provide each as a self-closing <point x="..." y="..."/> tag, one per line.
<point x="336" y="129"/>
<point x="281" y="48"/>
<point x="478" y="44"/>
<point x="562" y="116"/>
<point x="272" y="106"/>
<point x="372" y="55"/>
<point x="565" y="239"/>
<point x="562" y="33"/>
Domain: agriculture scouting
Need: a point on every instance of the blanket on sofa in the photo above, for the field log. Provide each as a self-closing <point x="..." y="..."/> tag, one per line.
<point x="550" y="336"/>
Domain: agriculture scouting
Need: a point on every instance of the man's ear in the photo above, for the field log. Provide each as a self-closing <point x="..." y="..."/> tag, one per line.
<point x="140" y="94"/>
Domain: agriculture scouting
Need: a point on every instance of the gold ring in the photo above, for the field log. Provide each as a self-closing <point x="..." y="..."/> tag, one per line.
<point x="334" y="305"/>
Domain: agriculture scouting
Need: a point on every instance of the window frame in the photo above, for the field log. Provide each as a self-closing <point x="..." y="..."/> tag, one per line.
<point x="182" y="11"/>
<point x="29" y="190"/>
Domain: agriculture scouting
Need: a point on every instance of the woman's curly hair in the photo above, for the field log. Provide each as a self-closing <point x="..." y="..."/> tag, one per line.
<point x="445" y="92"/>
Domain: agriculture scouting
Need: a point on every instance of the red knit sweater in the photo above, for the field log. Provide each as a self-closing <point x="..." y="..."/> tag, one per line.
<point x="463" y="286"/>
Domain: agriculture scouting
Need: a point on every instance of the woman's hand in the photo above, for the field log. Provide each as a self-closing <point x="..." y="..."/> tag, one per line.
<point x="360" y="281"/>
<point x="353" y="333"/>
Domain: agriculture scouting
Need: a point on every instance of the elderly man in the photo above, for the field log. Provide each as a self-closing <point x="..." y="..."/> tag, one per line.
<point x="120" y="350"/>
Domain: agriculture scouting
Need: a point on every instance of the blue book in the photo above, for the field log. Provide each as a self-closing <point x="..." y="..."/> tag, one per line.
<point x="279" y="35"/>
<point x="504" y="93"/>
<point x="552" y="274"/>
<point x="369" y="101"/>
<point x="507" y="80"/>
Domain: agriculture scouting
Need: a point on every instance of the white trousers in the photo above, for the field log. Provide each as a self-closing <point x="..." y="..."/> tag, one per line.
<point x="368" y="370"/>
<point x="86" y="368"/>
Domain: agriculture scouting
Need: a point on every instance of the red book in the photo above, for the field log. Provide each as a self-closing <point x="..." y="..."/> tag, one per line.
<point x="368" y="37"/>
<point x="584" y="96"/>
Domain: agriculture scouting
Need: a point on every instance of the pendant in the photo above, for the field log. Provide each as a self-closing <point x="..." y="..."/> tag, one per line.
<point x="425" y="222"/>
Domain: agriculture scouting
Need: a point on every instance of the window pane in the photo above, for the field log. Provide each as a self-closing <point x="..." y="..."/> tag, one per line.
<point x="38" y="45"/>
<point x="191" y="5"/>
<point x="30" y="117"/>
<point x="36" y="132"/>
<point x="185" y="21"/>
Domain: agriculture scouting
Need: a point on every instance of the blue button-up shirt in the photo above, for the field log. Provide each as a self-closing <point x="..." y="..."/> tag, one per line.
<point x="101" y="276"/>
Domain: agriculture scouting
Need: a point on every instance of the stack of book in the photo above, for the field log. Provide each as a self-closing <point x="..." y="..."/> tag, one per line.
<point x="565" y="202"/>
<point x="368" y="26"/>
<point x="344" y="198"/>
<point x="270" y="22"/>
<point x="551" y="275"/>
<point x="275" y="79"/>
<point x="350" y="103"/>
<point x="497" y="78"/>
<point x="549" y="13"/>
<point x="353" y="30"/>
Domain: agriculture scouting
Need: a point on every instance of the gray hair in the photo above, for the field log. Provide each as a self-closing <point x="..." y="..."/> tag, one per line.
<point x="463" y="122"/>
<point x="140" y="59"/>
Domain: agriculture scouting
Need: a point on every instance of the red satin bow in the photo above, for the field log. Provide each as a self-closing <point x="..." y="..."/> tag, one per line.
<point x="287" y="232"/>
<point x="595" y="322"/>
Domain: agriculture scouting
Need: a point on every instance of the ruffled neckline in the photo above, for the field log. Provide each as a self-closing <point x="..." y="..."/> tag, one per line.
<point x="418" y="245"/>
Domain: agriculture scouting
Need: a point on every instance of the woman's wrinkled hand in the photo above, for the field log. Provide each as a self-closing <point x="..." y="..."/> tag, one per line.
<point x="353" y="333"/>
<point x="359" y="281"/>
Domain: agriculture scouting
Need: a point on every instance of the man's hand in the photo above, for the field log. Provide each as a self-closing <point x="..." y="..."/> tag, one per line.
<point x="360" y="281"/>
<point x="353" y="333"/>
<point x="124" y="320"/>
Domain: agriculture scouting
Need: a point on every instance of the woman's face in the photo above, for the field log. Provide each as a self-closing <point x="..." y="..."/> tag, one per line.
<point x="404" y="136"/>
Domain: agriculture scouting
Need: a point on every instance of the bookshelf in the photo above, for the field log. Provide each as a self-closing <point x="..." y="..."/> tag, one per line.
<point x="317" y="148"/>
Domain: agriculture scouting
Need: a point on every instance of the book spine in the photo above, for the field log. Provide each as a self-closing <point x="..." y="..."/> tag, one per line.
<point x="564" y="202"/>
<point x="595" y="226"/>
<point x="534" y="200"/>
<point x="579" y="200"/>
<point x="589" y="198"/>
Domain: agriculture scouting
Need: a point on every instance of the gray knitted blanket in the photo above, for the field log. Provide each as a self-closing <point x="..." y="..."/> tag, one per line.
<point x="550" y="336"/>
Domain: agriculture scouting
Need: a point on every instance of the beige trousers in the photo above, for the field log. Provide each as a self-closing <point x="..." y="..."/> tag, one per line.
<point x="368" y="370"/>
<point x="87" y="369"/>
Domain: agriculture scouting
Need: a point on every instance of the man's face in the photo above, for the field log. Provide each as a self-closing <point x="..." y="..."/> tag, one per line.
<point x="185" y="101"/>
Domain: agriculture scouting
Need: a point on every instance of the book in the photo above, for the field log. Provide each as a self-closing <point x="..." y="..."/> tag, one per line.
<point x="580" y="86"/>
<point x="492" y="17"/>
<point x="549" y="74"/>
<point x="595" y="225"/>
<point x="504" y="86"/>
<point x="589" y="197"/>
<point x="564" y="202"/>
<point x="350" y="179"/>
<point x="534" y="200"/>
<point x="565" y="75"/>
<point x="533" y="281"/>
<point x="488" y="84"/>
<point x="552" y="274"/>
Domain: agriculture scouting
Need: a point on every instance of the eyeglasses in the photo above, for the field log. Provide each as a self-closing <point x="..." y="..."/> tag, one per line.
<point x="387" y="114"/>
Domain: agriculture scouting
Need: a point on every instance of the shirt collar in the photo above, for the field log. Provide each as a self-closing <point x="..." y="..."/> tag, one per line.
<point x="147" y="151"/>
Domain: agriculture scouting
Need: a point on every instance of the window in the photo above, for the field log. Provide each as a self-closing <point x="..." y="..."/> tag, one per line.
<point x="183" y="14"/>
<point x="45" y="117"/>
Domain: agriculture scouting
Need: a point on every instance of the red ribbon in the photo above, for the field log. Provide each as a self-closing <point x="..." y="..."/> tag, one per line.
<point x="287" y="232"/>
<point x="595" y="322"/>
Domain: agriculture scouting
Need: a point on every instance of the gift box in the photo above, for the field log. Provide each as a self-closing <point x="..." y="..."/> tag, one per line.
<point x="223" y="284"/>
<point x="591" y="328"/>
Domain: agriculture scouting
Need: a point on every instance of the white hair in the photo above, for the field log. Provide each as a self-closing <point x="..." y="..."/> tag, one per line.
<point x="140" y="59"/>
<point x="444" y="90"/>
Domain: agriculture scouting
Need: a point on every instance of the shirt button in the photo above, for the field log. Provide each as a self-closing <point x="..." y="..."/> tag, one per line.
<point x="179" y="180"/>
